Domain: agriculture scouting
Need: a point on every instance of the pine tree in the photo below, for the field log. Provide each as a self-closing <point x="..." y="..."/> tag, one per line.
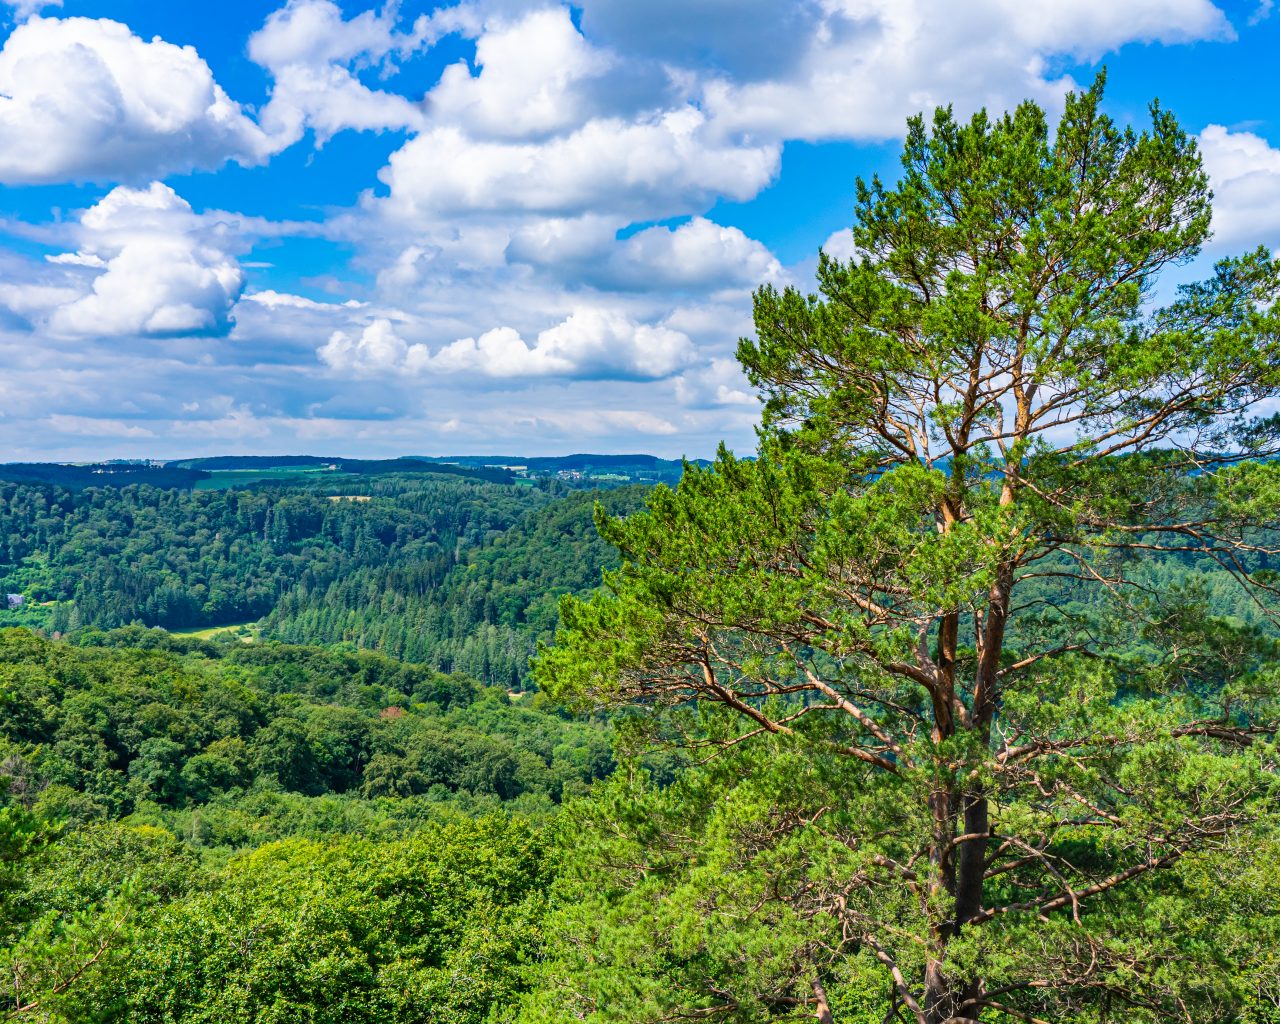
<point x="979" y="401"/>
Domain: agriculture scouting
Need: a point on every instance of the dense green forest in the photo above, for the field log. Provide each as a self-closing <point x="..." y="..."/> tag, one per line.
<point x="122" y="922"/>
<point x="460" y="574"/>
<point x="484" y="615"/>
<point x="350" y="818"/>
<point x="171" y="801"/>
<point x="173" y="558"/>
<point x="229" y="744"/>
<point x="249" y="832"/>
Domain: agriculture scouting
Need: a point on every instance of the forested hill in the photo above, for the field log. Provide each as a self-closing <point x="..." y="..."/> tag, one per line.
<point x="481" y="612"/>
<point x="106" y="474"/>
<point x="111" y="556"/>
<point x="456" y="572"/>
<point x="209" y="818"/>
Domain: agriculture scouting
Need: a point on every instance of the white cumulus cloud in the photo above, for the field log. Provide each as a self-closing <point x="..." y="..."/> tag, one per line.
<point x="590" y="343"/>
<point x="311" y="50"/>
<point x="535" y="78"/>
<point x="1244" y="170"/>
<point x="698" y="255"/>
<point x="375" y="349"/>
<point x="87" y="100"/>
<point x="162" y="274"/>
<point x="659" y="167"/>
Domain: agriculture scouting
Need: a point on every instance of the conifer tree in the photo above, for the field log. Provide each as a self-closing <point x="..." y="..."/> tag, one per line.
<point x="984" y="406"/>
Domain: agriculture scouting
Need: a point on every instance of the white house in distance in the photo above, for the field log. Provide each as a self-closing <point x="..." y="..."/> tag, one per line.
<point x="15" y="601"/>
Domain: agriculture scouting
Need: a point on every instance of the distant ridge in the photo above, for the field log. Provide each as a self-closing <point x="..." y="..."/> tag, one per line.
<point x="100" y="474"/>
<point x="253" y="461"/>
<point x="635" y="465"/>
<point x="363" y="467"/>
<point x="496" y="468"/>
<point x="587" y="468"/>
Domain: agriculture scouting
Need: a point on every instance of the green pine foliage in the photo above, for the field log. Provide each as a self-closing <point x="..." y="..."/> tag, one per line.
<point x="981" y="739"/>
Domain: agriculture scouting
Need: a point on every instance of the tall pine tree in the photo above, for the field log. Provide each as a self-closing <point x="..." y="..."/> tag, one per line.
<point x="982" y="402"/>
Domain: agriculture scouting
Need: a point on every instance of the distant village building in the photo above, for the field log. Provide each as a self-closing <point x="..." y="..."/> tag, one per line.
<point x="15" y="601"/>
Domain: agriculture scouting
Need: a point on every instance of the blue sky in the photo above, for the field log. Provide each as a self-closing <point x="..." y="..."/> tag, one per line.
<point x="513" y="225"/>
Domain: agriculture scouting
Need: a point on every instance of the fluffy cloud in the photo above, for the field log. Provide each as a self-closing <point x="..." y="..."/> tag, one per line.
<point x="1244" y="170"/>
<point x="30" y="301"/>
<point x="563" y="242"/>
<point x="536" y="77"/>
<point x="374" y="350"/>
<point x="329" y="99"/>
<point x="315" y="32"/>
<point x="162" y="274"/>
<point x="156" y="287"/>
<point x="659" y="167"/>
<point x="590" y="343"/>
<point x="87" y="100"/>
<point x="1089" y="28"/>
<point x="720" y="383"/>
<point x="839" y="244"/>
<point x="867" y="64"/>
<point x="697" y="256"/>
<point x="550" y="125"/>
<point x="310" y="50"/>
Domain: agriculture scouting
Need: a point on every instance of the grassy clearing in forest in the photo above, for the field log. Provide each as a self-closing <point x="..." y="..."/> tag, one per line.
<point x="212" y="631"/>
<point x="221" y="479"/>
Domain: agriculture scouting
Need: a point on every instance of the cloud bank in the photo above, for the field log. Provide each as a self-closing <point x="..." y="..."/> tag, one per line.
<point x="540" y="249"/>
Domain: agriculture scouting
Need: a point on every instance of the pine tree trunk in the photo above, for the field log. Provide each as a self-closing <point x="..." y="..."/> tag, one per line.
<point x="959" y="869"/>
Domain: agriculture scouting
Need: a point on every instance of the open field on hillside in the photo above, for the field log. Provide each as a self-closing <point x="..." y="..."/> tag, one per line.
<point x="212" y="631"/>
<point x="221" y="479"/>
